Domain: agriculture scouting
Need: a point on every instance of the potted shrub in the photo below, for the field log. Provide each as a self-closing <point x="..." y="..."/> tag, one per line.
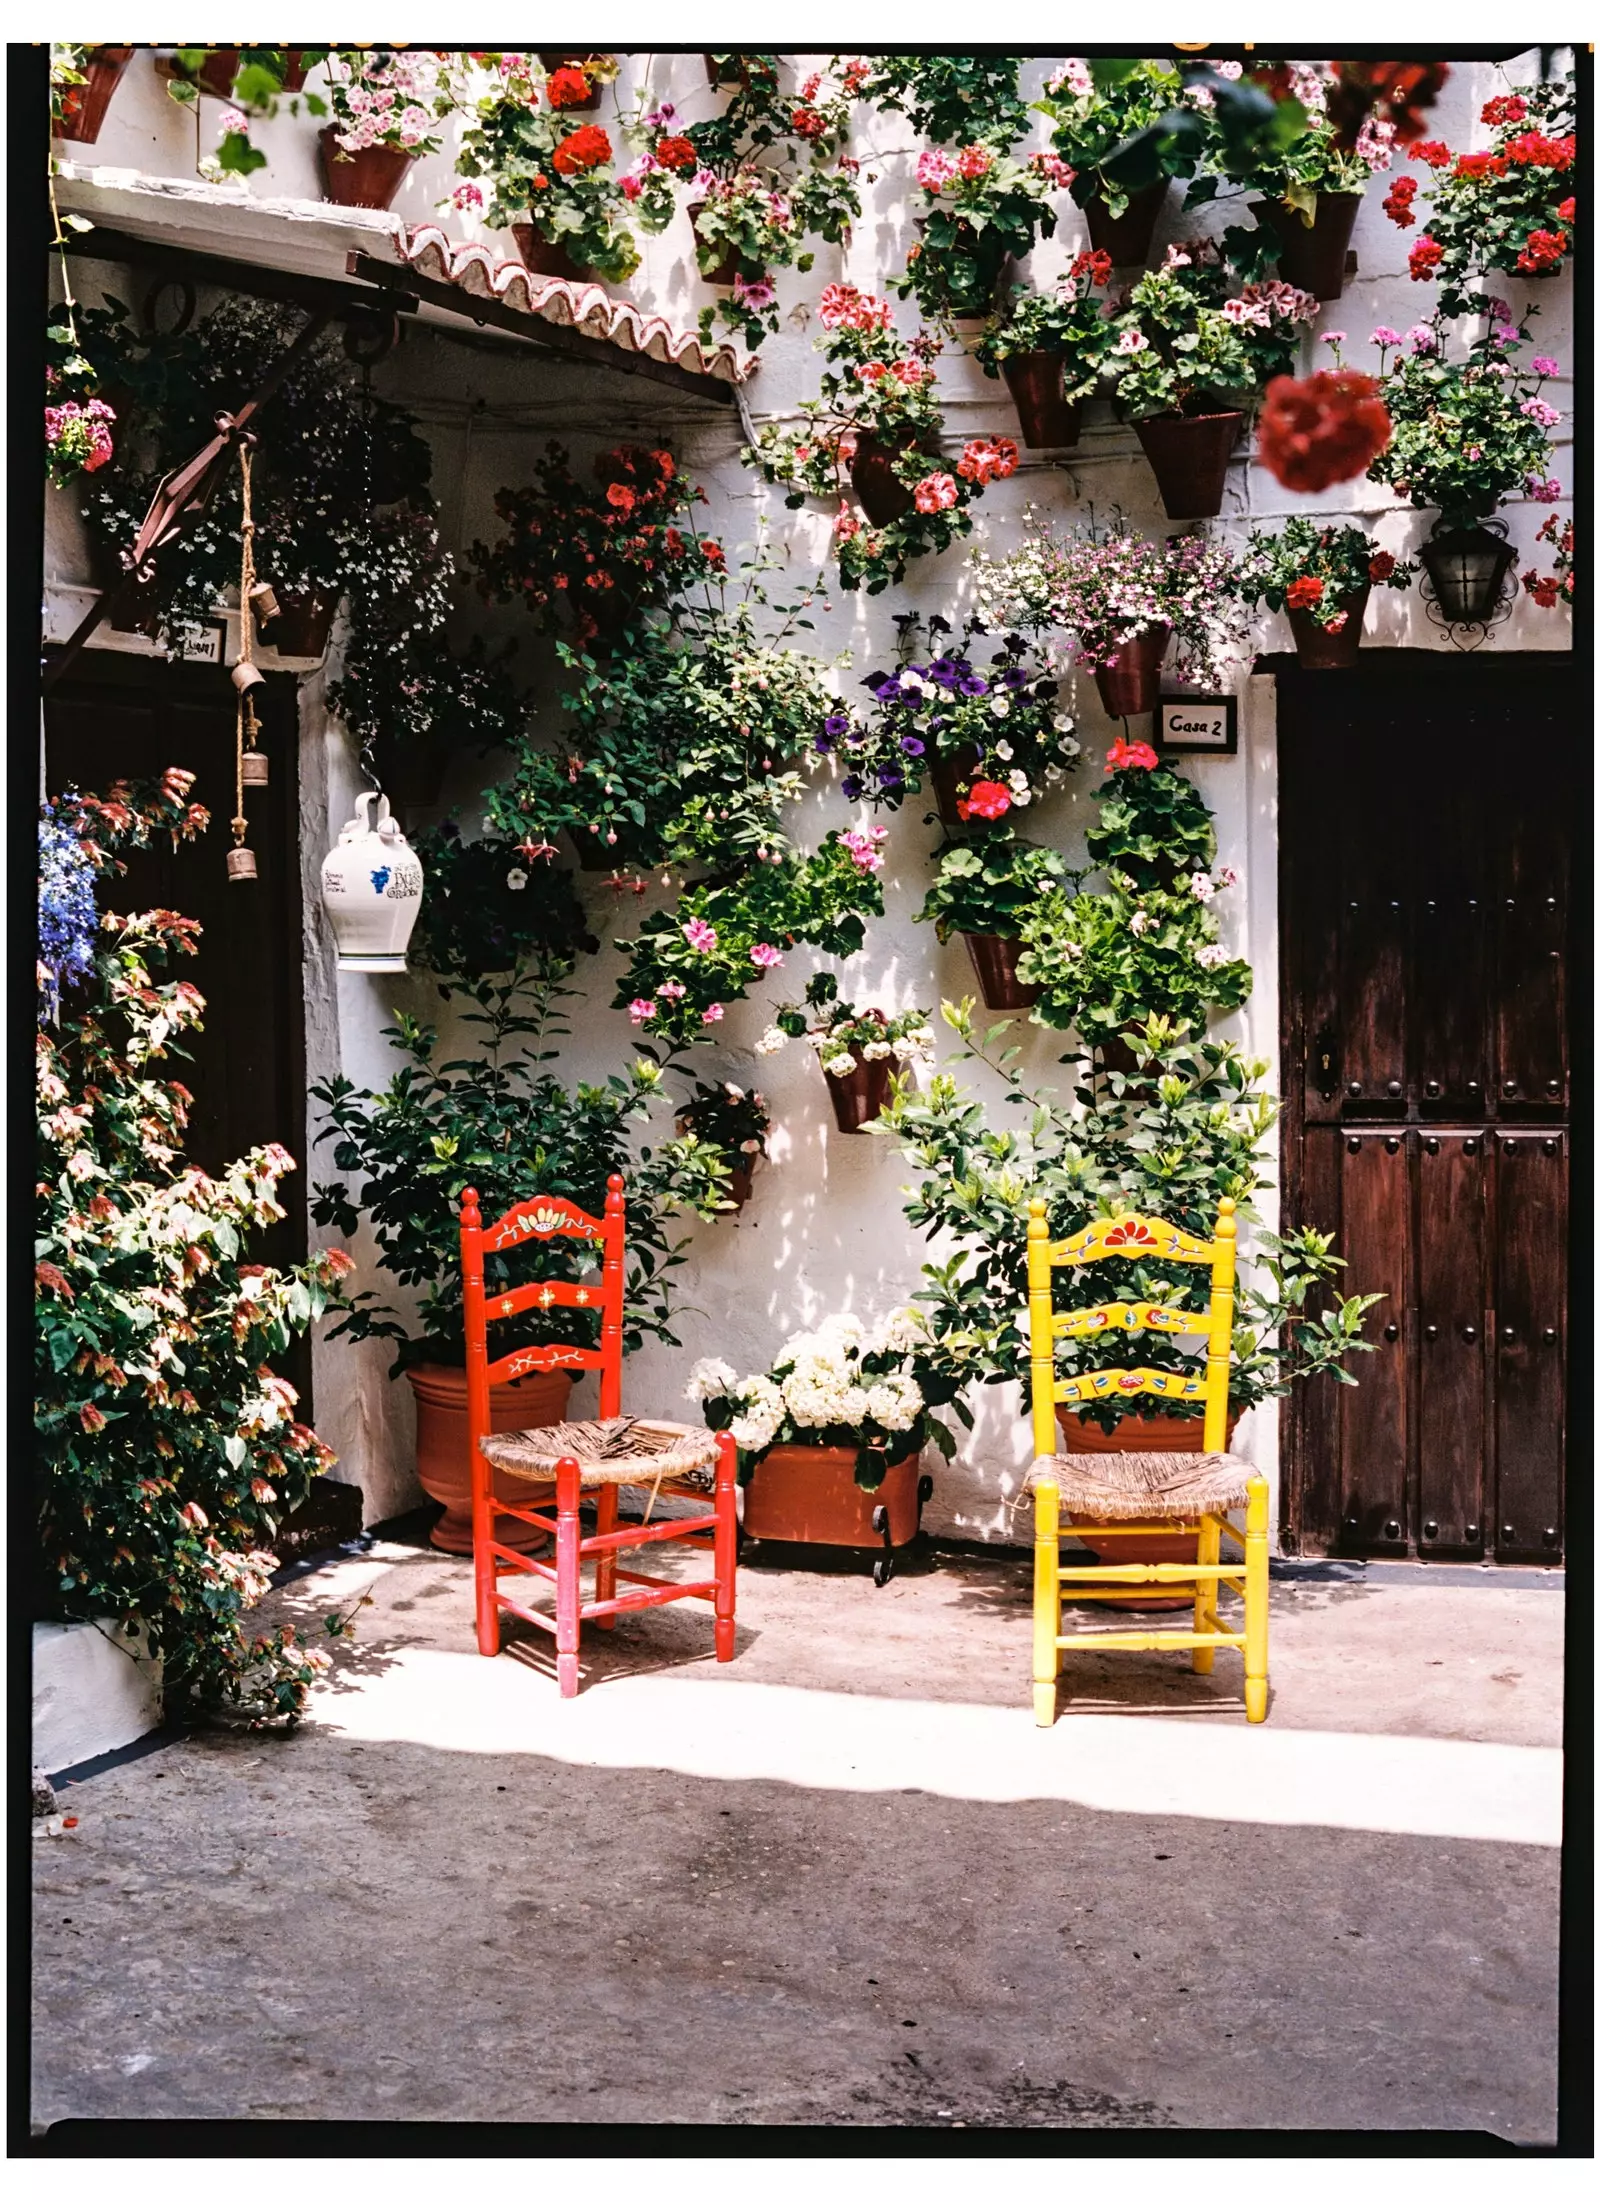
<point x="1148" y="943"/>
<point x="1188" y="361"/>
<point x="1122" y="598"/>
<point x="877" y="425"/>
<point x="983" y="888"/>
<point x="573" y="81"/>
<point x="490" y="909"/>
<point x="959" y="723"/>
<point x="733" y="1122"/>
<point x="1467" y="434"/>
<point x="1321" y="577"/>
<point x="834" y="1431"/>
<point x="980" y="210"/>
<point x="861" y="1050"/>
<point x="1095" y="109"/>
<point x="499" y="1119"/>
<point x="1052" y="348"/>
<point x="386" y="107"/>
<point x="1508" y="209"/>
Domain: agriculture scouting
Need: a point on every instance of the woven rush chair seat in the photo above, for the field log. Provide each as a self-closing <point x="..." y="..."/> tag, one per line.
<point x="618" y="1449"/>
<point x="1139" y="1487"/>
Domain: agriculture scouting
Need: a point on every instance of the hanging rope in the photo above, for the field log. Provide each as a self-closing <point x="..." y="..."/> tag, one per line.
<point x="246" y="675"/>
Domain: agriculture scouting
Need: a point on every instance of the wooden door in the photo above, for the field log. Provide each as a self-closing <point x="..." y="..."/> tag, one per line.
<point x="1427" y="810"/>
<point x="117" y="716"/>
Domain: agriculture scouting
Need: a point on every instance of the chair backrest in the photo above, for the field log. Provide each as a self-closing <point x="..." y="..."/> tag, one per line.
<point x="1131" y="1238"/>
<point x="542" y="1218"/>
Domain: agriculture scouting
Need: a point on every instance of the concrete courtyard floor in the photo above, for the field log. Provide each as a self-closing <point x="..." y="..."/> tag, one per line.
<point x="842" y="1881"/>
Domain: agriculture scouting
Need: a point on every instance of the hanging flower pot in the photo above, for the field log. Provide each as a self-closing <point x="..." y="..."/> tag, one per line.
<point x="1312" y="259"/>
<point x="723" y="271"/>
<point x="1323" y="650"/>
<point x="1049" y="422"/>
<point x="371" y="889"/>
<point x="303" y="624"/>
<point x="1133" y="684"/>
<point x="741" y="1182"/>
<point x="884" y="497"/>
<point x="83" y="106"/>
<point x="1189" y="457"/>
<point x="995" y="960"/>
<point x="540" y="257"/>
<point x="735" y="70"/>
<point x="862" y="1093"/>
<point x="951" y="776"/>
<point x="1468" y="568"/>
<point x="1137" y="1433"/>
<point x="411" y="773"/>
<point x="551" y="62"/>
<point x="368" y="178"/>
<point x="1127" y="236"/>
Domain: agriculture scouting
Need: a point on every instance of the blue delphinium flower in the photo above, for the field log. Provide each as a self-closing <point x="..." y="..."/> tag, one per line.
<point x="68" y="918"/>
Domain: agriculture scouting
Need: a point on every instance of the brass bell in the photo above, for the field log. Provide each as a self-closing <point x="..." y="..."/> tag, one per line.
<point x="263" y="603"/>
<point x="246" y="676"/>
<point x="241" y="863"/>
<point x="253" y="769"/>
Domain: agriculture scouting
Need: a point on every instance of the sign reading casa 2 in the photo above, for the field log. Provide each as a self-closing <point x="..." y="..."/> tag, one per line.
<point x="1208" y="725"/>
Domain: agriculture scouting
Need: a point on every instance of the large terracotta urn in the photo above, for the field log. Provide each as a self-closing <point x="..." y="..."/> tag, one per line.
<point x="1138" y="1433"/>
<point x="444" y="1466"/>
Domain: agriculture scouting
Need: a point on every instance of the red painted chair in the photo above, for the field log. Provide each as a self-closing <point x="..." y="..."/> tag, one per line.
<point x="671" y="1457"/>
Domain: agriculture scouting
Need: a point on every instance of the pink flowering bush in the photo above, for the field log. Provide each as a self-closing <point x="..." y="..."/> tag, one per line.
<point x="77" y="439"/>
<point x="1468" y="433"/>
<point x="1184" y="345"/>
<point x="387" y="98"/>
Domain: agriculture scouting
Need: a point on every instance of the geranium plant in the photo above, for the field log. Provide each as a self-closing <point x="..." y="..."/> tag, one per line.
<point x="841" y="1384"/>
<point x="954" y="99"/>
<point x="1148" y="944"/>
<point x="1320" y="158"/>
<point x="1555" y="587"/>
<point x="394" y="99"/>
<point x="1068" y="322"/>
<point x="1183" y="345"/>
<point x="1096" y="108"/>
<point x="987" y="885"/>
<point x="1303" y="567"/>
<point x="1104" y="588"/>
<point x="1468" y="433"/>
<point x="1508" y="209"/>
<point x="840" y="1032"/>
<point x="1002" y="722"/>
<point x="166" y="1450"/>
<point x="978" y="208"/>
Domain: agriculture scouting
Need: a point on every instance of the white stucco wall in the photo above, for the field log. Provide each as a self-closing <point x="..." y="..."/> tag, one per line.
<point x="825" y="1228"/>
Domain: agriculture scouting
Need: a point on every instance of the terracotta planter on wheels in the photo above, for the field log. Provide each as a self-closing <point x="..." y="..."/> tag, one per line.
<point x="1189" y="457"/>
<point x="368" y="178"/>
<point x="1127" y="236"/>
<point x="994" y="958"/>
<point x="1049" y="421"/>
<point x="1322" y="652"/>
<point x="808" y="1494"/>
<point x="443" y="1466"/>
<point x="1312" y="259"/>
<point x="1139" y="1433"/>
<point x="862" y="1095"/>
<point x="1133" y="685"/>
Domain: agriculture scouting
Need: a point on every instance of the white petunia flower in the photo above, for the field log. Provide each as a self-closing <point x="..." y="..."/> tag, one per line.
<point x="1004" y="751"/>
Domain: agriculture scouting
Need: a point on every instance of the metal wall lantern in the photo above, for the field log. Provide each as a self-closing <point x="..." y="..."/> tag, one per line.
<point x="1467" y="570"/>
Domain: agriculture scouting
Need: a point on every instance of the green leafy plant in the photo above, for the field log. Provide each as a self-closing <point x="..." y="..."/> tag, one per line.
<point x="1169" y="1139"/>
<point x="1468" y="433"/>
<point x="954" y="99"/>
<point x="979" y="209"/>
<point x="489" y="910"/>
<point x="498" y="1120"/>
<point x="1295" y="166"/>
<point x="988" y="884"/>
<point x="1182" y="345"/>
<point x="257" y="82"/>
<point x="166" y="1451"/>
<point x="1097" y="109"/>
<point x="1303" y="567"/>
<point x="1068" y="322"/>
<point x="733" y="1121"/>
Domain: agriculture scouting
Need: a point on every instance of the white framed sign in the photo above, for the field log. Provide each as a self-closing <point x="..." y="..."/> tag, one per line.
<point x="1198" y="726"/>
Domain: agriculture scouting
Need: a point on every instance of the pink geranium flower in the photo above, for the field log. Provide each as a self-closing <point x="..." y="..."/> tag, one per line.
<point x="702" y="938"/>
<point x="936" y="493"/>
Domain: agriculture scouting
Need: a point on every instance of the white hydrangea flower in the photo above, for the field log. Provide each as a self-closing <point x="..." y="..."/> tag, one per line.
<point x="763" y="1413"/>
<point x="903" y="1330"/>
<point x="876" y="1050"/>
<point x="771" y="1040"/>
<point x="895" y="1401"/>
<point x="709" y="1379"/>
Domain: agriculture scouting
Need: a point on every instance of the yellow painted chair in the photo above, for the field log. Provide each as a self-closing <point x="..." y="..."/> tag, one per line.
<point x="1136" y="1492"/>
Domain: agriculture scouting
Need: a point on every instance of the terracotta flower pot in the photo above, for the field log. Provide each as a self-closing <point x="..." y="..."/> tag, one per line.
<point x="724" y="75"/>
<point x="1321" y="651"/>
<point x="1133" y="684"/>
<point x="1049" y="422"/>
<point x="1189" y="458"/>
<point x="443" y="1466"/>
<point x="722" y="272"/>
<point x="808" y="1494"/>
<point x="83" y="106"/>
<point x="1127" y="236"/>
<point x="862" y="1095"/>
<point x="303" y="625"/>
<point x="551" y="62"/>
<point x="949" y="775"/>
<point x="540" y="257"/>
<point x="741" y="1181"/>
<point x="1140" y="1433"/>
<point x="1312" y="259"/>
<point x="884" y="497"/>
<point x="994" y="958"/>
<point x="368" y="178"/>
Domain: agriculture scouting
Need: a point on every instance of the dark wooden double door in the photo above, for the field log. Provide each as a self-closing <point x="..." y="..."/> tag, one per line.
<point x="1428" y="809"/>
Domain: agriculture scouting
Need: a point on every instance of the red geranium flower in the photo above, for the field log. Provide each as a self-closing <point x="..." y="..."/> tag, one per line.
<point x="1380" y="565"/>
<point x="1568" y="210"/>
<point x="677" y="153"/>
<point x="805" y="122"/>
<point x="1425" y="257"/>
<point x="587" y="147"/>
<point x="1478" y="165"/>
<point x="1543" y="249"/>
<point x="567" y="88"/>
<point x="985" y="799"/>
<point x="1433" y="151"/>
<point x="1534" y="150"/>
<point x="1124" y="756"/>
<point x="1508" y="108"/>
<point x="1398" y="203"/>
<point x="620" y="495"/>
<point x="712" y="553"/>
<point x="1326" y="429"/>
<point x="1302" y="594"/>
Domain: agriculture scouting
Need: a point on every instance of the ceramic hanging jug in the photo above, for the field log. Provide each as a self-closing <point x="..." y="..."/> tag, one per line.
<point x="371" y="889"/>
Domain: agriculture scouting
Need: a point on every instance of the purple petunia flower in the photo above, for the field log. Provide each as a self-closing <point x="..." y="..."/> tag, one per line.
<point x="912" y="745"/>
<point x="836" y="723"/>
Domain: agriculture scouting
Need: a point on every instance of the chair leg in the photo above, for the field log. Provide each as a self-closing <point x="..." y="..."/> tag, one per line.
<point x="568" y="1584"/>
<point x="1255" y="1600"/>
<point x="483" y="1560"/>
<point x="1046" y="1601"/>
<point x="725" y="1542"/>
<point x="605" y="1574"/>
<point x="1205" y="1590"/>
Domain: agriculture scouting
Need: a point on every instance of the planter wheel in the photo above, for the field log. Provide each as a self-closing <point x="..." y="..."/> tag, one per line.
<point x="882" y="1568"/>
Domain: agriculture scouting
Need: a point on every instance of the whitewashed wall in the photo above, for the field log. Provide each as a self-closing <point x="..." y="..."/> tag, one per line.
<point x="825" y="1228"/>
